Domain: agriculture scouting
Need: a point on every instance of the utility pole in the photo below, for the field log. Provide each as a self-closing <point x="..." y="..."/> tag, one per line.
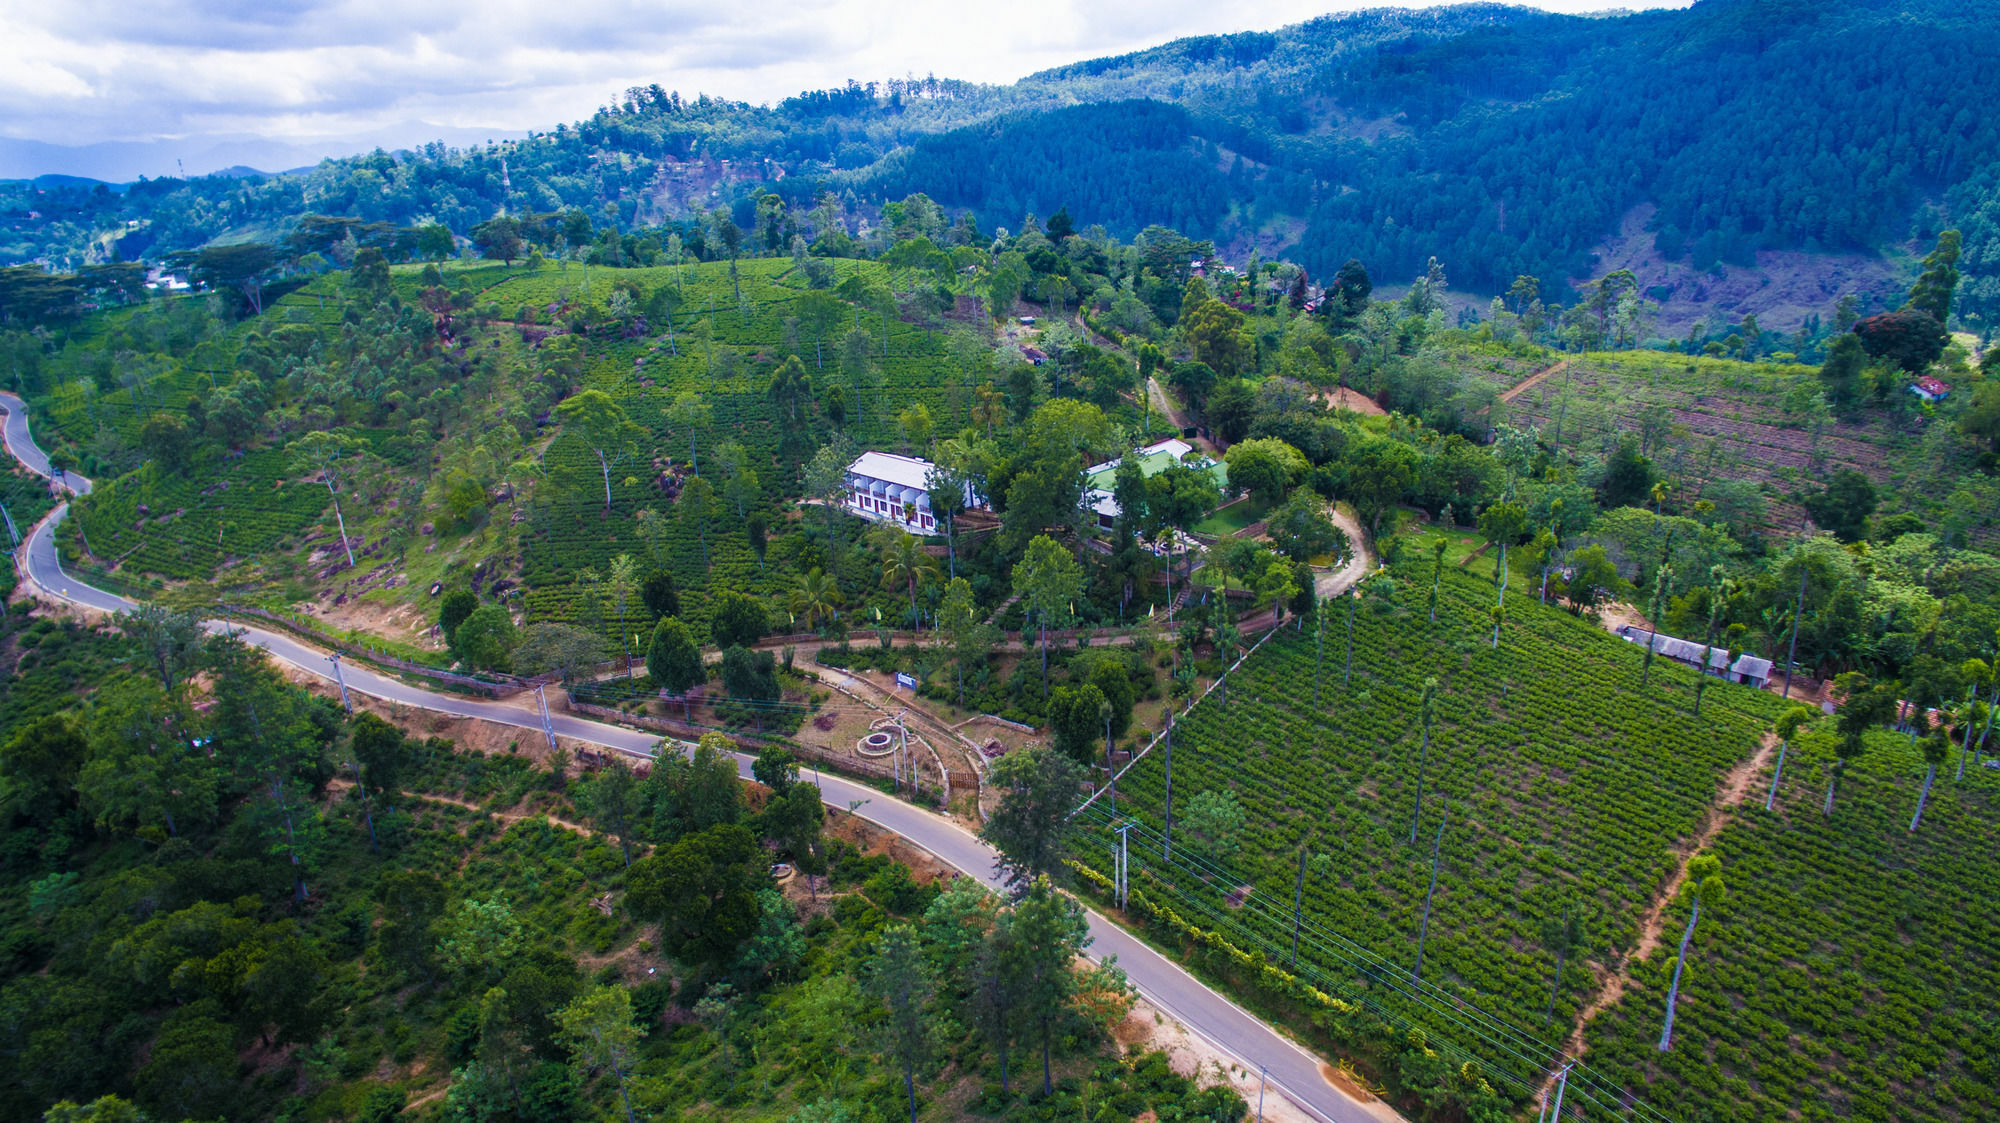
<point x="1121" y="890"/>
<point x="1167" y="846"/>
<point x="342" y="682"/>
<point x="1562" y="1082"/>
<point x="548" y="727"/>
<point x="11" y="532"/>
<point x="1263" y="1071"/>
<point x="1792" y="655"/>
<point x="903" y="756"/>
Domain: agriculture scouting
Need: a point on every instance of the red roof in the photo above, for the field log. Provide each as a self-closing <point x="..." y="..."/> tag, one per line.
<point x="1932" y="386"/>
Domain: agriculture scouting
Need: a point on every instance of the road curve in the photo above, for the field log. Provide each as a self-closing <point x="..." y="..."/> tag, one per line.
<point x="1292" y="1071"/>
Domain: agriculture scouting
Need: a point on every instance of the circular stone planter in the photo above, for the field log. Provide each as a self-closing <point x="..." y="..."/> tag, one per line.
<point x="878" y="743"/>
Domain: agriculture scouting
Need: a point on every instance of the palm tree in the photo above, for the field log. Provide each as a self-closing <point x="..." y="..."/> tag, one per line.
<point x="1789" y="724"/>
<point x="905" y="563"/>
<point x="1547" y="543"/>
<point x="1703" y="887"/>
<point x="1724" y="589"/>
<point x="815" y="597"/>
<point x="1227" y="638"/>
<point x="1662" y="580"/>
<point x="623" y="580"/>
<point x="1426" y="708"/>
<point x="1937" y="750"/>
<point x="1976" y="672"/>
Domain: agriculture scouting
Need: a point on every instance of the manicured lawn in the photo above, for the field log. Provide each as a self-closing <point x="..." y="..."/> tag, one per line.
<point x="1228" y="520"/>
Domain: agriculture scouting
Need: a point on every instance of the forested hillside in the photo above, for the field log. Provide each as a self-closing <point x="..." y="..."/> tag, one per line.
<point x="1503" y="141"/>
<point x="280" y="911"/>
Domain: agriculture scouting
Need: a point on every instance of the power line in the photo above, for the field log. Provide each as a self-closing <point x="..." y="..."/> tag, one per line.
<point x="1432" y="1000"/>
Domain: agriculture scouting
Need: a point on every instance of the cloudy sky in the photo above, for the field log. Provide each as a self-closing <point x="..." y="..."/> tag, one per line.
<point x="76" y="72"/>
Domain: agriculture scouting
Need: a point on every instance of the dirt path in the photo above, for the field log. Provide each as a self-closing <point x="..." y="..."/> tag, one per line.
<point x="1331" y="584"/>
<point x="1736" y="787"/>
<point x="509" y="817"/>
<point x="1181" y="421"/>
<point x="1535" y="380"/>
<point x="512" y="817"/>
<point x="1160" y="403"/>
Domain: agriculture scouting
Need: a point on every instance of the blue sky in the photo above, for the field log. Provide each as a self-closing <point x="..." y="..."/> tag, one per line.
<point x="79" y="72"/>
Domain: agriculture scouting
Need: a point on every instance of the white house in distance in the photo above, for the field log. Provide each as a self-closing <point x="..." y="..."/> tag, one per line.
<point x="1930" y="389"/>
<point x="884" y="487"/>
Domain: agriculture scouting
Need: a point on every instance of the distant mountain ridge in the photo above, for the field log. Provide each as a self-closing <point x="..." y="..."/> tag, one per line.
<point x="1502" y="140"/>
<point x="117" y="162"/>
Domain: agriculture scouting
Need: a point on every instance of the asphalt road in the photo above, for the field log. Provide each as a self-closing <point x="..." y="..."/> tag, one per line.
<point x="1292" y="1071"/>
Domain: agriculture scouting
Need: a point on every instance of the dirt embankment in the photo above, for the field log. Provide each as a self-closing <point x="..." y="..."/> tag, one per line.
<point x="1347" y="397"/>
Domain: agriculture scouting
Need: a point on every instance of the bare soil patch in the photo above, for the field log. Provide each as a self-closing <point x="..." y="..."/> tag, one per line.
<point x="469" y="734"/>
<point x="1782" y="288"/>
<point x="925" y="868"/>
<point x="1618" y="615"/>
<point x="1347" y="397"/>
<point x="1147" y="1026"/>
<point x="398" y="620"/>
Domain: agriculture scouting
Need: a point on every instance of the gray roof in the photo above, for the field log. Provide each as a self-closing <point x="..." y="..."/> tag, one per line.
<point x="1688" y="651"/>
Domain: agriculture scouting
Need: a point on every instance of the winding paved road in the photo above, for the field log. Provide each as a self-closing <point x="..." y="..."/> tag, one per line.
<point x="1293" y="1071"/>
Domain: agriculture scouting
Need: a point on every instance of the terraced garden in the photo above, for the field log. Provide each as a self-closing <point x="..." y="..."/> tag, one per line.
<point x="186" y="528"/>
<point x="1569" y="789"/>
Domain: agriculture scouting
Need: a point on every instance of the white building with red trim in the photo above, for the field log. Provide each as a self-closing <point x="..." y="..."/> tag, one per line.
<point x="1930" y="389"/>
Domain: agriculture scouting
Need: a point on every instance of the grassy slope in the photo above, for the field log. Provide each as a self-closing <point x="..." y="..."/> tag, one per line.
<point x="246" y="524"/>
<point x="1756" y="415"/>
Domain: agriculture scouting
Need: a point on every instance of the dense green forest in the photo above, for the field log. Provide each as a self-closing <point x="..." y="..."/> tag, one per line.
<point x="228" y="899"/>
<point x="1505" y="141"/>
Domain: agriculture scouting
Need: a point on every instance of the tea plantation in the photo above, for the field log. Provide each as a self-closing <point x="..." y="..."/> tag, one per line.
<point x="1848" y="971"/>
<point x="1569" y="786"/>
<point x="255" y="506"/>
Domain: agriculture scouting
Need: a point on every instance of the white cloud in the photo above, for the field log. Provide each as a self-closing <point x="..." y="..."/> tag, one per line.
<point x="83" y="71"/>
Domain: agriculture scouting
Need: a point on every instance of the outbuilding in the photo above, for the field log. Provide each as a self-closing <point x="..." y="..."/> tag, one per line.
<point x="1747" y="669"/>
<point x="1152" y="460"/>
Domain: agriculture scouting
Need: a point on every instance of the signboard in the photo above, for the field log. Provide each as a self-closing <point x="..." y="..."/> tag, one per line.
<point x="909" y="681"/>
